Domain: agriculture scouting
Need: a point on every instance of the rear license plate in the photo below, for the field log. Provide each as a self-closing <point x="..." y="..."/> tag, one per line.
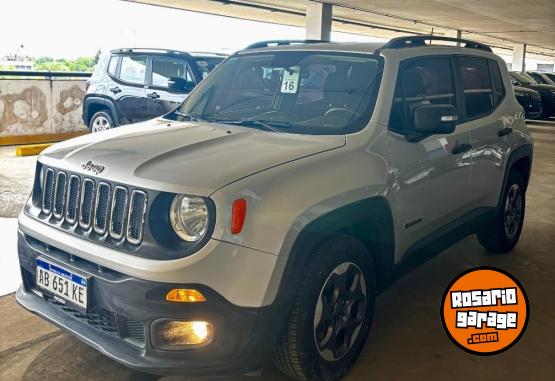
<point x="65" y="285"/>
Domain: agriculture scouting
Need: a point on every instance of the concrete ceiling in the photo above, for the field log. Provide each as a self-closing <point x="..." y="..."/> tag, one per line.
<point x="500" y="23"/>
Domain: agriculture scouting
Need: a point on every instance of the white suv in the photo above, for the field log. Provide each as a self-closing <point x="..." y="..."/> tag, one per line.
<point x="262" y="216"/>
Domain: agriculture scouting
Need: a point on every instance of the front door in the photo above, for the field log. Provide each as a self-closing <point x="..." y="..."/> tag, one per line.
<point x="432" y="174"/>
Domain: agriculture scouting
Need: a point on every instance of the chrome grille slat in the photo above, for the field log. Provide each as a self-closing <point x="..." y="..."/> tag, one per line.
<point x="94" y="206"/>
<point x="59" y="194"/>
<point x="118" y="212"/>
<point x="86" y="204"/>
<point x="136" y="218"/>
<point x="72" y="203"/>
<point x="48" y="190"/>
<point x="101" y="206"/>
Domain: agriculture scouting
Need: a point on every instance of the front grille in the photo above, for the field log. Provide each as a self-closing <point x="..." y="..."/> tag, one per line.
<point x="93" y="204"/>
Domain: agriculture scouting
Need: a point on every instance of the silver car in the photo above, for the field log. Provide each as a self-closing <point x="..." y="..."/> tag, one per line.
<point x="260" y="218"/>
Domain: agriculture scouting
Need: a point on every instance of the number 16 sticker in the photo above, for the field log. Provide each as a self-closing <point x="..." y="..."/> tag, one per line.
<point x="290" y="81"/>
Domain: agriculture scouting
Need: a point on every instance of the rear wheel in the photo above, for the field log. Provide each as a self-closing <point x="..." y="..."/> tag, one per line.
<point x="503" y="234"/>
<point x="329" y="322"/>
<point x="101" y="121"/>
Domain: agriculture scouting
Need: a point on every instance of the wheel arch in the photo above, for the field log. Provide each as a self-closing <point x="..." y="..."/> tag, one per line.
<point x="94" y="104"/>
<point x="369" y="220"/>
<point x="520" y="160"/>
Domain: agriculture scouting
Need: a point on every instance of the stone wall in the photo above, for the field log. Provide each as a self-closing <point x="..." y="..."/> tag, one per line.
<point x="41" y="106"/>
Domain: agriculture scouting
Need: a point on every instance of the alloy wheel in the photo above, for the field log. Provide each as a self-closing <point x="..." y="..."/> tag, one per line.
<point x="340" y="311"/>
<point x="101" y="123"/>
<point x="513" y="211"/>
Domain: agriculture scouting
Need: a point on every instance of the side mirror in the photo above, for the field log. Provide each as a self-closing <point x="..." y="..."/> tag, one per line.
<point x="434" y="119"/>
<point x="180" y="85"/>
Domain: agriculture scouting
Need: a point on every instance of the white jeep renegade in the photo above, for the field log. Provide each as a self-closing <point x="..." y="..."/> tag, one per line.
<point x="261" y="217"/>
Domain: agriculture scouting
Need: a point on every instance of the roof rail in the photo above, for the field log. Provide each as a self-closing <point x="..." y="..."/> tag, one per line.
<point x="266" y="44"/>
<point x="410" y="41"/>
<point x="145" y="50"/>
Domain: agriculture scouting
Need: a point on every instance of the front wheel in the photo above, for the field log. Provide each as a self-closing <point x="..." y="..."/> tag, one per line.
<point x="330" y="320"/>
<point x="503" y="234"/>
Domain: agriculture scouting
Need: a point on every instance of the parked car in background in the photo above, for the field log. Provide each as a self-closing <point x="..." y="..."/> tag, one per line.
<point x="541" y="77"/>
<point x="547" y="92"/>
<point x="551" y="76"/>
<point x="530" y="100"/>
<point x="133" y="85"/>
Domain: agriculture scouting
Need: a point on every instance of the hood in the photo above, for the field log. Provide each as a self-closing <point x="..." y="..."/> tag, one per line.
<point x="183" y="157"/>
<point x="541" y="86"/>
<point x="524" y="90"/>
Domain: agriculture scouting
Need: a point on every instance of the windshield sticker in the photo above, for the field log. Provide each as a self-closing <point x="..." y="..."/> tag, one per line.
<point x="290" y="81"/>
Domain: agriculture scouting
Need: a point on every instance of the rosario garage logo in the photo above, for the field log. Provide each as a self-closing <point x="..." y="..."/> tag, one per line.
<point x="485" y="311"/>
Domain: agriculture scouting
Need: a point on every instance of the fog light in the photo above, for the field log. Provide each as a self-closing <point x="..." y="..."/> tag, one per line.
<point x="187" y="333"/>
<point x="185" y="295"/>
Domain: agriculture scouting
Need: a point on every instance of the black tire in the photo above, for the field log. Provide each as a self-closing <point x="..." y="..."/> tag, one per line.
<point x="99" y="116"/>
<point x="495" y="237"/>
<point x="297" y="353"/>
<point x="546" y="110"/>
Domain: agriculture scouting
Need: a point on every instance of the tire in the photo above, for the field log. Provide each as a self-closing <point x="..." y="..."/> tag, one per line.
<point x="340" y="260"/>
<point x="101" y="121"/>
<point x="497" y="237"/>
<point x="546" y="110"/>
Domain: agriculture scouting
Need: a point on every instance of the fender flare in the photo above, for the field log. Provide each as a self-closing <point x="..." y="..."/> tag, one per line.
<point x="98" y="100"/>
<point x="369" y="220"/>
<point x="525" y="151"/>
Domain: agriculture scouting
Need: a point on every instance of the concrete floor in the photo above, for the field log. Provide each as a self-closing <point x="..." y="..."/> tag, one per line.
<point x="406" y="340"/>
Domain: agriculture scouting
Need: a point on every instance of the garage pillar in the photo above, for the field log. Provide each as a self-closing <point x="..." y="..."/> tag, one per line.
<point x="454" y="34"/>
<point x="519" y="56"/>
<point x="318" y="21"/>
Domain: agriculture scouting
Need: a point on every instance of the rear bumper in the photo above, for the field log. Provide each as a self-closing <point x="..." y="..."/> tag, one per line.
<point x="121" y="311"/>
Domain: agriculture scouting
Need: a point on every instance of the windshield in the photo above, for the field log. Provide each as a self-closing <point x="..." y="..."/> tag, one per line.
<point x="206" y="64"/>
<point x="523" y="79"/>
<point x="290" y="91"/>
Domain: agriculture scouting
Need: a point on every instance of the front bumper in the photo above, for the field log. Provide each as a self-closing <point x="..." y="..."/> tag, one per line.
<point x="122" y="308"/>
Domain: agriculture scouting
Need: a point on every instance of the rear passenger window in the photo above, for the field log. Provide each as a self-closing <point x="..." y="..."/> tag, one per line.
<point x="113" y="65"/>
<point x="133" y="70"/>
<point x="497" y="82"/>
<point x="420" y="82"/>
<point x="476" y="84"/>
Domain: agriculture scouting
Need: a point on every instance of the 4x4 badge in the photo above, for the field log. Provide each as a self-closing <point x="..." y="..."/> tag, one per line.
<point x="92" y="167"/>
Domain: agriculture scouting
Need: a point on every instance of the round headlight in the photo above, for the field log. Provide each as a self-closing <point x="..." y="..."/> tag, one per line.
<point x="189" y="217"/>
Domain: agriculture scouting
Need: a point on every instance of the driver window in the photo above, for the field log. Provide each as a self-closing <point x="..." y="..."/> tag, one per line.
<point x="424" y="81"/>
<point x="172" y="74"/>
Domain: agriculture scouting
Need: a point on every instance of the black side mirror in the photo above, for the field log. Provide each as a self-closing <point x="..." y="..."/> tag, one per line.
<point x="180" y="85"/>
<point x="434" y="119"/>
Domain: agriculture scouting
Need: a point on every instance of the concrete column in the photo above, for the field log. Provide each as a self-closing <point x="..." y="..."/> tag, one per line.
<point x="454" y="34"/>
<point x="519" y="57"/>
<point x="318" y="21"/>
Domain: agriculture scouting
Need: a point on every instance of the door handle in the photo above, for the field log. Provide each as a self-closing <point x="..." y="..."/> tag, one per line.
<point x="461" y="148"/>
<point x="505" y="131"/>
<point x="115" y="89"/>
<point x="153" y="95"/>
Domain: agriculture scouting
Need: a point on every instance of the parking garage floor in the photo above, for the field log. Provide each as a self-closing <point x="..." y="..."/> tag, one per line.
<point x="406" y="340"/>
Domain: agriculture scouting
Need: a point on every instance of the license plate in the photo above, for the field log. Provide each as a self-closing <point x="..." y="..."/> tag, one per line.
<point x="63" y="284"/>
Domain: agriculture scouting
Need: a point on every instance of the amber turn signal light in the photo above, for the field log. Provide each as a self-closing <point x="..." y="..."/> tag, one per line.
<point x="185" y="295"/>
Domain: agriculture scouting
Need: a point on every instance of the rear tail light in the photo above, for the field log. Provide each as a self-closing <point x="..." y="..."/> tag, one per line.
<point x="87" y="84"/>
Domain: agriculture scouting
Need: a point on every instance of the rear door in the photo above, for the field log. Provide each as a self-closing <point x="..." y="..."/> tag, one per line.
<point x="432" y="177"/>
<point x="170" y="81"/>
<point x="485" y="118"/>
<point x="128" y="89"/>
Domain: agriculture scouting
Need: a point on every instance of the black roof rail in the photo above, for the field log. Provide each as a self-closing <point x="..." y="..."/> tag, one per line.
<point x="411" y="41"/>
<point x="266" y="44"/>
<point x="146" y="50"/>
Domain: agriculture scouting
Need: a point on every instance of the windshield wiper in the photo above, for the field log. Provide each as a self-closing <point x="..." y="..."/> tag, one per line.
<point x="190" y="116"/>
<point x="260" y="124"/>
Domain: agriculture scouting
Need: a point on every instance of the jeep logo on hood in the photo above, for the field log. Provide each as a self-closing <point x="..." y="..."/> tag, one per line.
<point x="92" y="167"/>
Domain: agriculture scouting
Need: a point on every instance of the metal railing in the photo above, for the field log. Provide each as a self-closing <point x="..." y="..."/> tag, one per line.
<point x="44" y="74"/>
